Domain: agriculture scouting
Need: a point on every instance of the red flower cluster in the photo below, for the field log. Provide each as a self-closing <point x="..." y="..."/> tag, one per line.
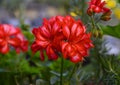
<point x="11" y="36"/>
<point x="62" y="35"/>
<point x="97" y="6"/>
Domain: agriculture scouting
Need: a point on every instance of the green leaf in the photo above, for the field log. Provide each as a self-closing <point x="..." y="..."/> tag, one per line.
<point x="112" y="30"/>
<point x="118" y="1"/>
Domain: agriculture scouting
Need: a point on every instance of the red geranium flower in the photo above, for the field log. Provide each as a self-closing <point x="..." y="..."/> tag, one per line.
<point x="97" y="6"/>
<point x="47" y="37"/>
<point x="62" y="35"/>
<point x="76" y="42"/>
<point x="10" y="36"/>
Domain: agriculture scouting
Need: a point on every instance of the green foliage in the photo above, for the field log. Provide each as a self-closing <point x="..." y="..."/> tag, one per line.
<point x="102" y="69"/>
<point x="118" y="1"/>
<point x="112" y="30"/>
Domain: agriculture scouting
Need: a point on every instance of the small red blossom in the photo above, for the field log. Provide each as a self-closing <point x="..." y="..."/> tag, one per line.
<point x="97" y="6"/>
<point x="24" y="43"/>
<point x="11" y="36"/>
<point x="62" y="35"/>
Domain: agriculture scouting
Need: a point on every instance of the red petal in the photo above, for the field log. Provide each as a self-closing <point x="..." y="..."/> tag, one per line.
<point x="79" y="31"/>
<point x="77" y="58"/>
<point x="60" y="18"/>
<point x="35" y="47"/>
<point x="107" y="10"/>
<point x="9" y="29"/>
<point x="24" y="46"/>
<point x="34" y="31"/>
<point x="56" y="28"/>
<point x="52" y="20"/>
<point x="42" y="43"/>
<point x="69" y="18"/>
<point x="69" y="48"/>
<point x="51" y="54"/>
<point x="20" y="36"/>
<point x="45" y="21"/>
<point x="2" y="33"/>
<point x="81" y="49"/>
<point x="40" y="37"/>
<point x="4" y="49"/>
<point x="37" y="34"/>
<point x="2" y="42"/>
<point x="98" y="2"/>
<point x="42" y="57"/>
<point x="98" y="9"/>
<point x="102" y="4"/>
<point x="66" y="31"/>
<point x="64" y="44"/>
<point x="74" y="28"/>
<point x="45" y="32"/>
<point x="15" y="41"/>
<point x="93" y="1"/>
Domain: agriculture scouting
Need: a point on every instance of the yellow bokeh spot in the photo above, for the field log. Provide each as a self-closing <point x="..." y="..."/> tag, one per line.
<point x="73" y="14"/>
<point x="117" y="12"/>
<point x="111" y="3"/>
<point x="106" y="0"/>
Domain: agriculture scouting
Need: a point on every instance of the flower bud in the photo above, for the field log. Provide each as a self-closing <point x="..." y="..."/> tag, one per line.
<point x="106" y="16"/>
<point x="100" y="34"/>
<point x="97" y="33"/>
<point x="90" y="12"/>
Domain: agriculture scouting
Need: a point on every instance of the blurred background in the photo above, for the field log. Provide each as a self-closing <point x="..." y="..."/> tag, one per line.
<point x="33" y="11"/>
<point x="30" y="11"/>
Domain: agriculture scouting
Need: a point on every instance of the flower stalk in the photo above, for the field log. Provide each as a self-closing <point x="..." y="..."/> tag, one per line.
<point x="72" y="72"/>
<point x="61" y="72"/>
<point x="92" y="21"/>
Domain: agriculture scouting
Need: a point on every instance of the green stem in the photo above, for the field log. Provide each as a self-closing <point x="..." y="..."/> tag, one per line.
<point x="111" y="69"/>
<point x="83" y="11"/>
<point x="92" y="20"/>
<point x="72" y="72"/>
<point x="61" y="73"/>
<point x="16" y="80"/>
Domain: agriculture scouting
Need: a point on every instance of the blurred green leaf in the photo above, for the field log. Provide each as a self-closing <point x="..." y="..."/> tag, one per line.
<point x="112" y="30"/>
<point x="118" y="1"/>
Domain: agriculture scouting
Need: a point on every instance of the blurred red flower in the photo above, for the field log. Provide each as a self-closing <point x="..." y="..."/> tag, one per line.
<point x="24" y="43"/>
<point x="62" y="35"/>
<point x="97" y="6"/>
<point x="11" y="36"/>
